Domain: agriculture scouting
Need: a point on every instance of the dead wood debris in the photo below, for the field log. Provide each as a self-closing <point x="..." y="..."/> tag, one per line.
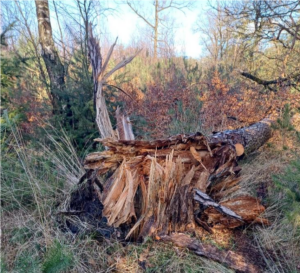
<point x="171" y="185"/>
<point x="163" y="188"/>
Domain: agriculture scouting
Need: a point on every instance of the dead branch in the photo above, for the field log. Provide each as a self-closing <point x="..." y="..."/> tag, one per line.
<point x="288" y="80"/>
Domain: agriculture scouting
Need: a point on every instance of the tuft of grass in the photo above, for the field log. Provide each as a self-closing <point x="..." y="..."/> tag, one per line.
<point x="35" y="179"/>
<point x="21" y="235"/>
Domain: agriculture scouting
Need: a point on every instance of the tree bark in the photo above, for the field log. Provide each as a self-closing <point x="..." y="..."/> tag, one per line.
<point x="49" y="54"/>
<point x="251" y="137"/>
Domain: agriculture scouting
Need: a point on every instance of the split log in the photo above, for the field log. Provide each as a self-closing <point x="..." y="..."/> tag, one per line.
<point x="124" y="127"/>
<point x="175" y="184"/>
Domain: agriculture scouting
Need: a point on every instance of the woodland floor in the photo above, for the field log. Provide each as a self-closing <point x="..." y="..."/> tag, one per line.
<point x="32" y="245"/>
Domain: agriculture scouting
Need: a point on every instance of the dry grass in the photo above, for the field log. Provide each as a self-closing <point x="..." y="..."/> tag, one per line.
<point x="279" y="243"/>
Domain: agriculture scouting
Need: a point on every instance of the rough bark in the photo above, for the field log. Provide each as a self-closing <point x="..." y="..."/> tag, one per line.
<point x="251" y="137"/>
<point x="49" y="54"/>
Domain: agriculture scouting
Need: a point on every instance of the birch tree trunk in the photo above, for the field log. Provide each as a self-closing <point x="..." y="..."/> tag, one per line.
<point x="49" y="54"/>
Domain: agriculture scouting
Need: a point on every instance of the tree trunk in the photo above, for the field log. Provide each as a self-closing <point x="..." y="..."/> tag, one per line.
<point x="102" y="116"/>
<point x="156" y="30"/>
<point x="50" y="56"/>
<point x="160" y="188"/>
<point x="175" y="184"/>
<point x="251" y="137"/>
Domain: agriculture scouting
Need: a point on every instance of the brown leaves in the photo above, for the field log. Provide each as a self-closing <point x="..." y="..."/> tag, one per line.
<point x="227" y="108"/>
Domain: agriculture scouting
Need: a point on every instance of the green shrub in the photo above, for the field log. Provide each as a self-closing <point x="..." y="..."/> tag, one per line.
<point x="57" y="259"/>
<point x="288" y="187"/>
<point x="284" y="125"/>
<point x="186" y="120"/>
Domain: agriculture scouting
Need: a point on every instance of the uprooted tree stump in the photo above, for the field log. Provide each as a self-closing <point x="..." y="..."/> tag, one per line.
<point x="158" y="188"/>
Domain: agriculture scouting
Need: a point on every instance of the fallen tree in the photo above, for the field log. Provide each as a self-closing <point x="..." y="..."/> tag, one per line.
<point x="161" y="187"/>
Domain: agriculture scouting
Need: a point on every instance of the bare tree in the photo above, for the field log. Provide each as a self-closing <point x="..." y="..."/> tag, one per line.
<point x="158" y="21"/>
<point x="275" y="22"/>
<point x="216" y="36"/>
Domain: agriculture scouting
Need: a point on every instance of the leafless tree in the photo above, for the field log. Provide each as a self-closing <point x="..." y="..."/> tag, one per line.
<point x="276" y="22"/>
<point x="216" y="36"/>
<point x="159" y="20"/>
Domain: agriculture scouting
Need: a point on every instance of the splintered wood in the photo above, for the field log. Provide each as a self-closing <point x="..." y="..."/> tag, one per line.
<point x="157" y="187"/>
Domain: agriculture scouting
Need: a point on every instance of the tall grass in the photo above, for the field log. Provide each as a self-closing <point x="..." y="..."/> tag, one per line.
<point x="34" y="180"/>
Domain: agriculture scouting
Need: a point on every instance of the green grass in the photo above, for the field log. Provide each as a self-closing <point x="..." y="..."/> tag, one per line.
<point x="27" y="262"/>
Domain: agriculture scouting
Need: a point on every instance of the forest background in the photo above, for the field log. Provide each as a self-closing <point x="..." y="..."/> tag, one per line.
<point x="238" y="63"/>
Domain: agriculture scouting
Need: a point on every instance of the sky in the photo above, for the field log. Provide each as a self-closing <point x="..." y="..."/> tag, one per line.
<point x="125" y="24"/>
<point x="121" y="22"/>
